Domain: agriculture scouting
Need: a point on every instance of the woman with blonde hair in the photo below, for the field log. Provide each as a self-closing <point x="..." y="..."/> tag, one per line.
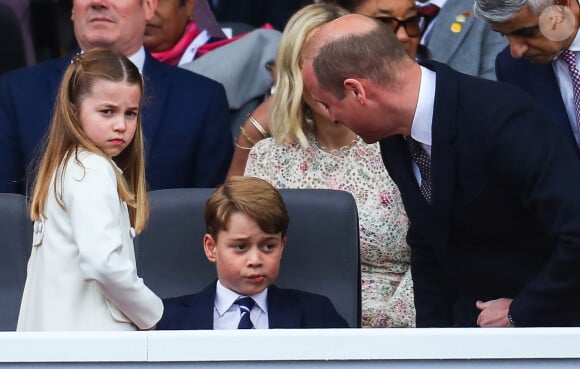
<point x="308" y="150"/>
<point x="401" y="16"/>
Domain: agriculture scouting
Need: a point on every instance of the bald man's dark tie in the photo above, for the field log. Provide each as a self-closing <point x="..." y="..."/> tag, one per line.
<point x="423" y="161"/>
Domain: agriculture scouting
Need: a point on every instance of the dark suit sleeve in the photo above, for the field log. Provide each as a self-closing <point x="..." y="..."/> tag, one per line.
<point x="502" y="60"/>
<point x="321" y="313"/>
<point x="174" y="312"/>
<point x="536" y="159"/>
<point x="431" y="291"/>
<point x="11" y="160"/>
<point x="498" y="68"/>
<point x="432" y="295"/>
<point x="215" y="143"/>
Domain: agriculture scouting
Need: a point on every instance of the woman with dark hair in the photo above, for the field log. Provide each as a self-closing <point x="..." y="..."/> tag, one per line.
<point x="401" y="16"/>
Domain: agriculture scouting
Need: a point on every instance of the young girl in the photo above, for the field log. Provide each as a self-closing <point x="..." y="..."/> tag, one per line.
<point x="89" y="200"/>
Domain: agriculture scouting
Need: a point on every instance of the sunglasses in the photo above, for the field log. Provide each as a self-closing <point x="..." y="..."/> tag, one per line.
<point x="414" y="26"/>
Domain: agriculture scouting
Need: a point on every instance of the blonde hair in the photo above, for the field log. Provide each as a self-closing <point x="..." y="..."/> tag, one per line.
<point x="66" y="136"/>
<point x="251" y="196"/>
<point x="289" y="110"/>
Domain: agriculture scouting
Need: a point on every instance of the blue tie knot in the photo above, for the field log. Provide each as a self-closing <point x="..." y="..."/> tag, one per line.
<point x="246" y="304"/>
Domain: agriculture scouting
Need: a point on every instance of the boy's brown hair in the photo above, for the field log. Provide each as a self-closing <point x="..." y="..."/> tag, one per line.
<point x="251" y="196"/>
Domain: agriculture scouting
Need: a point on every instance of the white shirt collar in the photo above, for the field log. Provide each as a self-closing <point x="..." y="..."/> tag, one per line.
<point x="439" y="3"/>
<point x="421" y="130"/>
<point x="575" y="45"/>
<point x="225" y="298"/>
<point x="138" y="59"/>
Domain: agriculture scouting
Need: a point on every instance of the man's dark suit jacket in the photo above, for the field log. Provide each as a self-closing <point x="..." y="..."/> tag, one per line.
<point x="539" y="80"/>
<point x="505" y="213"/>
<point x="286" y="309"/>
<point x="187" y="132"/>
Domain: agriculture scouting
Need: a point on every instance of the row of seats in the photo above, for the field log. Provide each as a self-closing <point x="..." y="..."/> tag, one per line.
<point x="321" y="256"/>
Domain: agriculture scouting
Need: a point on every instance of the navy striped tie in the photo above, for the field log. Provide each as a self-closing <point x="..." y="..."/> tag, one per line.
<point x="246" y="304"/>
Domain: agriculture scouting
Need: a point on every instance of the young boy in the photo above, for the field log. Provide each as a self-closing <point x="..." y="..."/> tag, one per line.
<point x="246" y="222"/>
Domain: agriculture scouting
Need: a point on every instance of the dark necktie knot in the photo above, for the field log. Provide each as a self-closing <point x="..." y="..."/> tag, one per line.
<point x="246" y="304"/>
<point x="423" y="162"/>
<point x="570" y="58"/>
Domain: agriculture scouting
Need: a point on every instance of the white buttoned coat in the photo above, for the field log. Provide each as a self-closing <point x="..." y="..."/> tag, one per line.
<point x="81" y="273"/>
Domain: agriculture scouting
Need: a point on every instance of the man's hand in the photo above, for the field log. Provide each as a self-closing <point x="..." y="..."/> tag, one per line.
<point x="494" y="313"/>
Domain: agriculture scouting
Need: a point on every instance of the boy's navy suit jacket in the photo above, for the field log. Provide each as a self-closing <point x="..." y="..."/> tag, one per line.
<point x="287" y="308"/>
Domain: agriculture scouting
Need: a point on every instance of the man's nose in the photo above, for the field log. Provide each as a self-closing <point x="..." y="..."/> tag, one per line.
<point x="518" y="47"/>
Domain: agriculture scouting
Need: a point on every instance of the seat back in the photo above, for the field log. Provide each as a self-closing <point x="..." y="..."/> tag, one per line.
<point x="15" y="243"/>
<point x="321" y="256"/>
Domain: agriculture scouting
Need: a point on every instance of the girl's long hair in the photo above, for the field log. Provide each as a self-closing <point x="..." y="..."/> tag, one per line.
<point x="288" y="112"/>
<point x="66" y="137"/>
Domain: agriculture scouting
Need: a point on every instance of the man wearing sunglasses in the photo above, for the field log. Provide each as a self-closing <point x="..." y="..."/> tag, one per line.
<point x="408" y="32"/>
<point x="459" y="39"/>
<point x="540" y="58"/>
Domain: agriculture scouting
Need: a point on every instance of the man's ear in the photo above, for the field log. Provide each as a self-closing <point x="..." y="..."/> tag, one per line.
<point x="209" y="247"/>
<point x="355" y="89"/>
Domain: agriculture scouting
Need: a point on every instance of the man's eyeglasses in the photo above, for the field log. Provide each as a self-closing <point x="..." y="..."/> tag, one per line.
<point x="414" y="26"/>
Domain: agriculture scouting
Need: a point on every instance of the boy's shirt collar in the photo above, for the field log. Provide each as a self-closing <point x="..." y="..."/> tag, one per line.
<point x="225" y="298"/>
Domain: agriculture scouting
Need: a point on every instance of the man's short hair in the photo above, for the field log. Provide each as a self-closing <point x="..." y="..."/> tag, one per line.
<point x="374" y="55"/>
<point x="251" y="196"/>
<point x="503" y="10"/>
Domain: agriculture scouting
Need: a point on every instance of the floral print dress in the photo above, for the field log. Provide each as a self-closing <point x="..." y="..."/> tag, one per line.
<point x="386" y="285"/>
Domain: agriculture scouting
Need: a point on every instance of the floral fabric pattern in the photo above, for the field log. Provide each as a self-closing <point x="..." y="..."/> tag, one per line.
<point x="386" y="285"/>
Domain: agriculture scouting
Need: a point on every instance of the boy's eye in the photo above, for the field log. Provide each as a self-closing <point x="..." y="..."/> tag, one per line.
<point x="240" y="247"/>
<point x="107" y="111"/>
<point x="268" y="247"/>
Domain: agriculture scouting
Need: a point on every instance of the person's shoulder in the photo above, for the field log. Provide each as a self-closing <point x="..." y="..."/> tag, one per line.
<point x="183" y="300"/>
<point x="192" y="298"/>
<point x="177" y="75"/>
<point x="300" y="295"/>
<point x="91" y="159"/>
<point x="266" y="145"/>
<point x="505" y="59"/>
<point x="37" y="70"/>
<point x="263" y="36"/>
<point x="317" y="310"/>
<point x="483" y="86"/>
<point x="84" y="165"/>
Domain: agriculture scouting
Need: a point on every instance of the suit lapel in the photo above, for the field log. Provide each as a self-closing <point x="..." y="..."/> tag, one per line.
<point x="442" y="42"/>
<point x="399" y="165"/>
<point x="156" y="91"/>
<point x="545" y="87"/>
<point x="200" y="315"/>
<point x="443" y="153"/>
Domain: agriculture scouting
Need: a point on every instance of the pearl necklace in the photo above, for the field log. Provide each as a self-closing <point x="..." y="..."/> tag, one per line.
<point x="342" y="149"/>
